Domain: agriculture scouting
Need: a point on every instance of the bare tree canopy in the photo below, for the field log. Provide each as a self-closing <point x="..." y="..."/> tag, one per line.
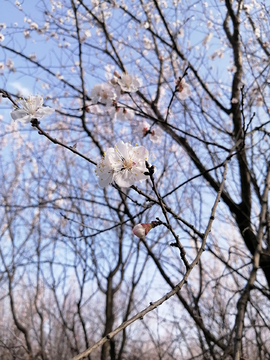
<point x="135" y="176"/>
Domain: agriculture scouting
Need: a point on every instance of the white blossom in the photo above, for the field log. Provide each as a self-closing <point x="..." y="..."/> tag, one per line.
<point x="103" y="93"/>
<point x="124" y="114"/>
<point x="183" y="89"/>
<point x="257" y="32"/>
<point x="259" y="101"/>
<point x="117" y="88"/>
<point x="181" y="32"/>
<point x="129" y="83"/>
<point x="87" y="33"/>
<point x="54" y="35"/>
<point x="123" y="164"/>
<point x="248" y="7"/>
<point x="2" y="38"/>
<point x="33" y="56"/>
<point x="59" y="76"/>
<point x="34" y="26"/>
<point x="32" y="108"/>
<point x="10" y="64"/>
<point x="26" y="34"/>
<point x="70" y="13"/>
<point x="155" y="134"/>
<point x="207" y="39"/>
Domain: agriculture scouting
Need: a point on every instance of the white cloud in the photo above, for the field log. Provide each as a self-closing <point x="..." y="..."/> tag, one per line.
<point x="23" y="91"/>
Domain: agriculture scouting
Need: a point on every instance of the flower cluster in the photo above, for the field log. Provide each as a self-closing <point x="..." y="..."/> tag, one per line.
<point x="107" y="93"/>
<point x="32" y="108"/>
<point x="123" y="164"/>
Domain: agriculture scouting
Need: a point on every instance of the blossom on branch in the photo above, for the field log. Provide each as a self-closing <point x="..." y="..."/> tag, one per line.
<point x="123" y="164"/>
<point x="183" y="89"/>
<point x="124" y="114"/>
<point x="103" y="93"/>
<point x="32" y="108"/>
<point x="129" y="83"/>
<point x="155" y="134"/>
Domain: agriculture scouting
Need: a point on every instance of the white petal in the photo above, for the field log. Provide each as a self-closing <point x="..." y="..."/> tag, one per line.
<point x="140" y="153"/>
<point x="123" y="148"/>
<point x="44" y="111"/>
<point x="20" y="114"/>
<point x="124" y="178"/>
<point x="138" y="173"/>
<point x="105" y="179"/>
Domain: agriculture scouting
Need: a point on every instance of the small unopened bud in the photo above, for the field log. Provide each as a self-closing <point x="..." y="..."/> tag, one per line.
<point x="116" y="73"/>
<point x="141" y="230"/>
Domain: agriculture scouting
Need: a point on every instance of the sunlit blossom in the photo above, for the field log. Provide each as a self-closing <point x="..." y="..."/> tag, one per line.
<point x="183" y="89"/>
<point x="10" y="64"/>
<point x="33" y="56"/>
<point x="207" y="39"/>
<point x="59" y="76"/>
<point x="123" y="164"/>
<point x="26" y="34"/>
<point x="34" y="26"/>
<point x="103" y="93"/>
<point x="32" y="108"/>
<point x="129" y="83"/>
<point x="155" y="133"/>
<point x="124" y="114"/>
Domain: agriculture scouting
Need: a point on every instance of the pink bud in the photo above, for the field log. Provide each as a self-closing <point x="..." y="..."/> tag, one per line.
<point x="116" y="73"/>
<point x="141" y="230"/>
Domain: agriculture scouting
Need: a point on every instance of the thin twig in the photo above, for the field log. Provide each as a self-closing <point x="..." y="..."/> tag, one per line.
<point x="35" y="124"/>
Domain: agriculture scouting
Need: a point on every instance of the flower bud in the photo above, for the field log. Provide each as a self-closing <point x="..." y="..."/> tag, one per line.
<point x="141" y="230"/>
<point x="116" y="73"/>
